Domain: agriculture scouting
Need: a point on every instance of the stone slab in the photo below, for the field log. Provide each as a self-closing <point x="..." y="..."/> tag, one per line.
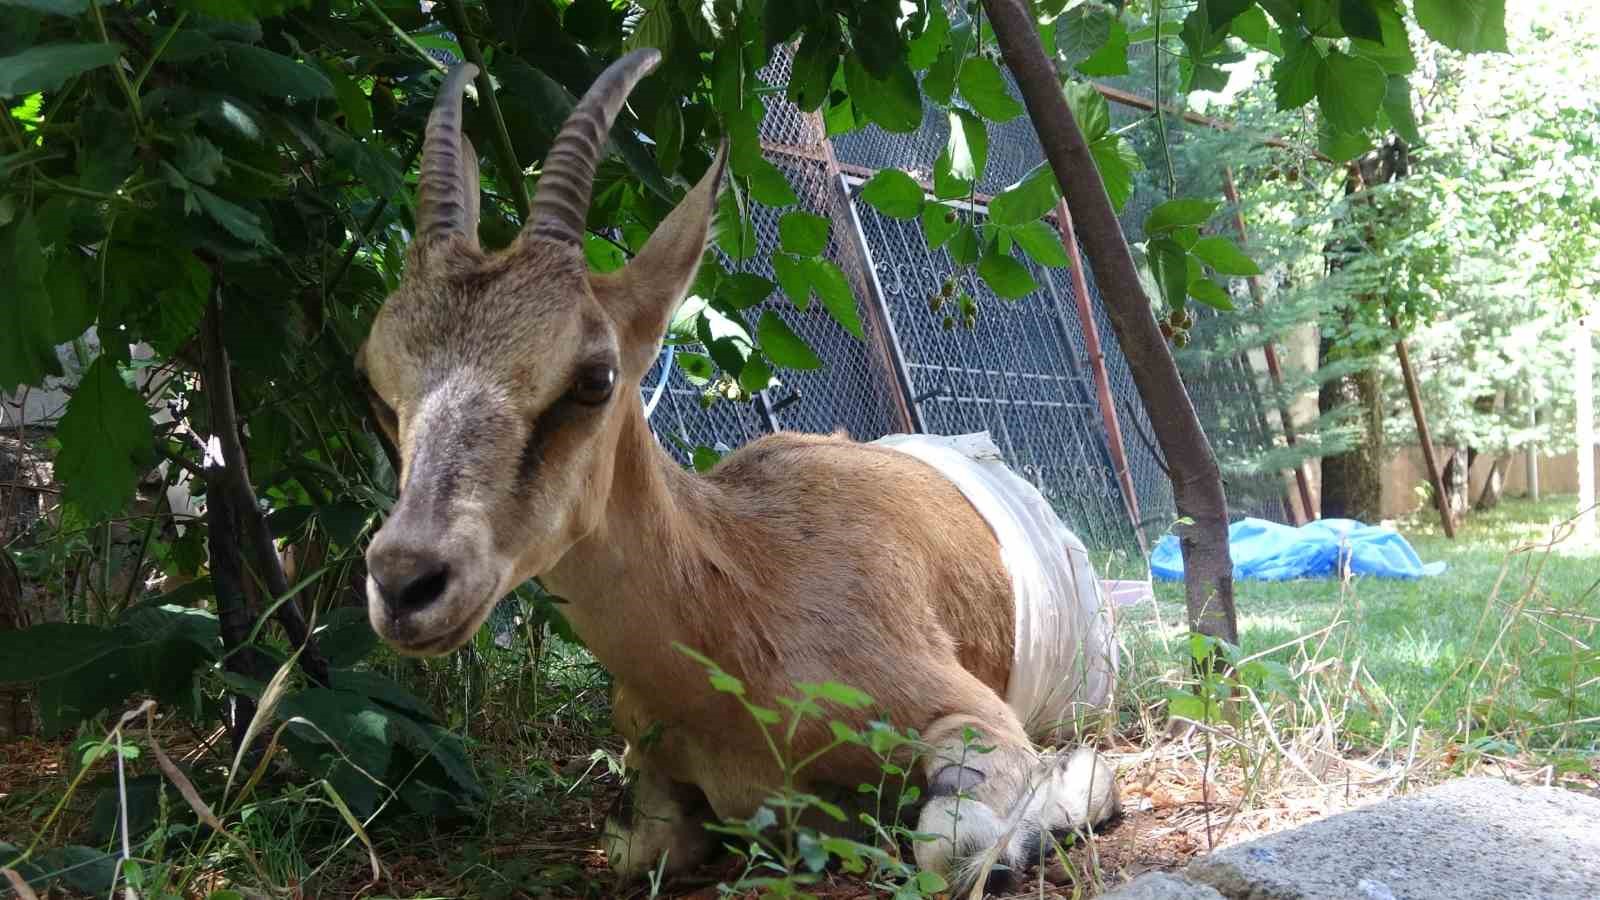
<point x="1472" y="839"/>
<point x="1162" y="886"/>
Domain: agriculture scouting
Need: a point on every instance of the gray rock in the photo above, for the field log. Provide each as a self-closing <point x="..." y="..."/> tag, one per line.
<point x="1472" y="839"/>
<point x="1161" y="886"/>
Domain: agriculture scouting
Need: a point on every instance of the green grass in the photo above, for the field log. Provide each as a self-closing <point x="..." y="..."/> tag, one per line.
<point x="1501" y="646"/>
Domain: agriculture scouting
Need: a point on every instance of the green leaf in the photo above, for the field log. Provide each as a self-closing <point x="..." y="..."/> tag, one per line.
<point x="1041" y="242"/>
<point x="769" y="186"/>
<point x="696" y="367"/>
<point x="1005" y="276"/>
<point x="27" y="354"/>
<point x="52" y="649"/>
<point x="704" y="459"/>
<point x="47" y="66"/>
<point x="1341" y="146"/>
<point x="814" y="65"/>
<point x="834" y="290"/>
<point x="1170" y="267"/>
<point x="756" y="374"/>
<point x="669" y="137"/>
<point x="742" y="290"/>
<point x="842" y="694"/>
<point x="654" y="29"/>
<point x="1111" y="59"/>
<point x="736" y="235"/>
<point x="924" y="49"/>
<point x="1089" y="109"/>
<point x="353" y="103"/>
<point x="1397" y="104"/>
<point x="1211" y="294"/>
<point x="984" y="88"/>
<point x="1221" y="12"/>
<point x="239" y="222"/>
<point x="963" y="246"/>
<point x="1179" y="213"/>
<point x="1294" y="77"/>
<point x="1471" y="26"/>
<point x="1252" y="27"/>
<point x="181" y="305"/>
<point x="359" y="727"/>
<point x="1360" y="19"/>
<point x="782" y="345"/>
<point x="1027" y="200"/>
<point x="940" y="82"/>
<point x="1350" y="91"/>
<point x="894" y="104"/>
<point x="1117" y="162"/>
<point x="71" y="310"/>
<point x="1392" y="47"/>
<point x="939" y="224"/>
<point x="106" y="441"/>
<point x="1224" y="255"/>
<point x="269" y="74"/>
<point x="893" y="193"/>
<point x="1083" y="31"/>
<point x="803" y="233"/>
<point x="793" y="279"/>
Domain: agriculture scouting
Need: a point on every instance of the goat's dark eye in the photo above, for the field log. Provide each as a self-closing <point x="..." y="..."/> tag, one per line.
<point x="594" y="384"/>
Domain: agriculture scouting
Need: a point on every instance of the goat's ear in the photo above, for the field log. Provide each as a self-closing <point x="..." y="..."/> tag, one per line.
<point x="643" y="295"/>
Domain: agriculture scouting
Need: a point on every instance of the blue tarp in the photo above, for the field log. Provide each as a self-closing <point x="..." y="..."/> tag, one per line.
<point x="1267" y="551"/>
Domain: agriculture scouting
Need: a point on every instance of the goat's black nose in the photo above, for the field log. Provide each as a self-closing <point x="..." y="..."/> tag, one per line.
<point x="408" y="579"/>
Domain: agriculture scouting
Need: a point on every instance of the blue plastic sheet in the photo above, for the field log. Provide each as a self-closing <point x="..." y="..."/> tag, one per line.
<point x="1268" y="551"/>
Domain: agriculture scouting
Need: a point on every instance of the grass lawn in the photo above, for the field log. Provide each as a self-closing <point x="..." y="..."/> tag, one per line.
<point x="1503" y="647"/>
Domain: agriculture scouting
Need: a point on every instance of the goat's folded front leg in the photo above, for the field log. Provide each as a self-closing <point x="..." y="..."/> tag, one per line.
<point x="993" y="800"/>
<point x="657" y="817"/>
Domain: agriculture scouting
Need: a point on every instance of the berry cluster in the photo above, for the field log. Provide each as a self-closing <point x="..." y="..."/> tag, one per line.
<point x="965" y="307"/>
<point x="1175" y="327"/>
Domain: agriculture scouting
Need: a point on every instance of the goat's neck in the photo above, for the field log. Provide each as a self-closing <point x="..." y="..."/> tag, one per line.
<point x="666" y="541"/>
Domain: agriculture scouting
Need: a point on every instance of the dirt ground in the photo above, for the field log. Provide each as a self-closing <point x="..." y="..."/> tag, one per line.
<point x="1174" y="808"/>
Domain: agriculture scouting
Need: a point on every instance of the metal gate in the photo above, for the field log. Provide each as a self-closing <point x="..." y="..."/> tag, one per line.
<point x="1023" y="374"/>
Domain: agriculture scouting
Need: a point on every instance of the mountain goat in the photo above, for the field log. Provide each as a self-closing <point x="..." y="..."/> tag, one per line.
<point x="509" y="384"/>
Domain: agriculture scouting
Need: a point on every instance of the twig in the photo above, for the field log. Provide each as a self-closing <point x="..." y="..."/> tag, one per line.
<point x="160" y="48"/>
<point x="363" y="236"/>
<point x="116" y="69"/>
<point x="405" y="38"/>
<point x="505" y="153"/>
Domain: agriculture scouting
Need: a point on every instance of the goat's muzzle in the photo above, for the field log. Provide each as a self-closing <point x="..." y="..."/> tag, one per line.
<point x="427" y="592"/>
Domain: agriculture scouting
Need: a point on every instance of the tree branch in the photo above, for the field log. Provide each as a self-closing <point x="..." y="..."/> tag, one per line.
<point x="505" y="153"/>
<point x="230" y="477"/>
<point x="1196" y="478"/>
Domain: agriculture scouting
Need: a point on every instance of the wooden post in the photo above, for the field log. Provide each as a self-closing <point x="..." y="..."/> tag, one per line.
<point x="1415" y="396"/>
<point x="1097" y="365"/>
<point x="1275" y="371"/>
<point x="1583" y="393"/>
<point x="1533" y="456"/>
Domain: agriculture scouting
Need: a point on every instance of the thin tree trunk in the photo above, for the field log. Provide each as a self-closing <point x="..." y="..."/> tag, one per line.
<point x="1446" y="518"/>
<point x="1196" y="478"/>
<point x="231" y="475"/>
<point x="1493" y="486"/>
<point x="1270" y="353"/>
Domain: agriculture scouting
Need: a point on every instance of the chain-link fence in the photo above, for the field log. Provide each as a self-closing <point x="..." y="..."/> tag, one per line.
<point x="1022" y="374"/>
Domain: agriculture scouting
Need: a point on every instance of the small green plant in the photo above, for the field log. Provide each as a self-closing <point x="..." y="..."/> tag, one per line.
<point x="781" y="854"/>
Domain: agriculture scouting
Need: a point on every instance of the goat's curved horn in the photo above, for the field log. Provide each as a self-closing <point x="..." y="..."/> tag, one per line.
<point x="443" y="206"/>
<point x="562" y="202"/>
